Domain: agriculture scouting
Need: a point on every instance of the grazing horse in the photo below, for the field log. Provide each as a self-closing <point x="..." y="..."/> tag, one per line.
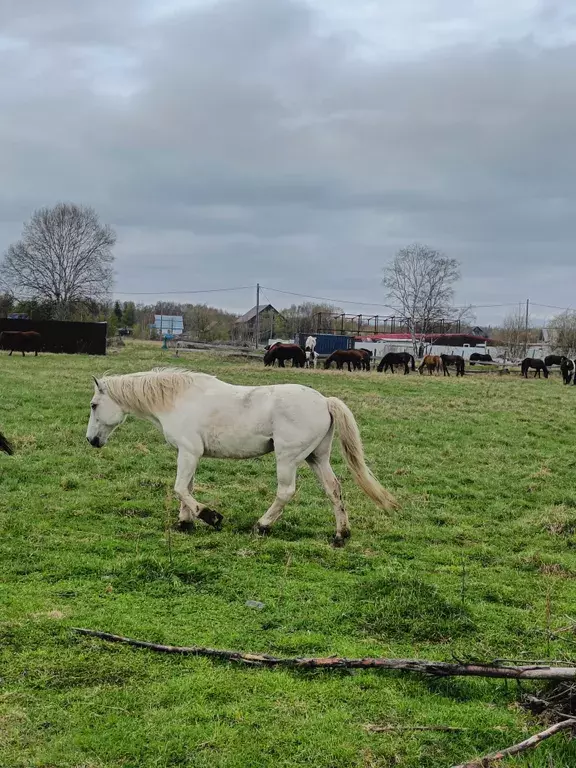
<point x="342" y="356"/>
<point x="203" y="416"/>
<point x="456" y="360"/>
<point x="5" y="445"/>
<point x="283" y="352"/>
<point x="476" y="357"/>
<point x="312" y="358"/>
<point x="567" y="369"/>
<point x="396" y="358"/>
<point x="310" y="344"/>
<point x="534" y="362"/>
<point x="367" y="358"/>
<point x="550" y="360"/>
<point x="21" y="341"/>
<point x="432" y="363"/>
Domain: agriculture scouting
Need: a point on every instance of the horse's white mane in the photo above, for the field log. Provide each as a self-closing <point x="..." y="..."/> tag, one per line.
<point x="151" y="391"/>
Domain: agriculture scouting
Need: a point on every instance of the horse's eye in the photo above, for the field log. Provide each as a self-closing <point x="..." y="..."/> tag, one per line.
<point x="93" y="406"/>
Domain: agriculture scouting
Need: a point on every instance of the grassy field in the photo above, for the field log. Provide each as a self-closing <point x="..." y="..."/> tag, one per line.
<point x="479" y="563"/>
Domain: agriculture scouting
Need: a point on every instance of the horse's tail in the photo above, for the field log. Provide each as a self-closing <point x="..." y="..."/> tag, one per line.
<point x="5" y="445"/>
<point x="412" y="361"/>
<point x="354" y="454"/>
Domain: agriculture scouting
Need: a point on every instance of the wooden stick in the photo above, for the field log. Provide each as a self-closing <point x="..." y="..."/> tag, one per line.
<point x="533" y="741"/>
<point x="395" y="728"/>
<point x="438" y="668"/>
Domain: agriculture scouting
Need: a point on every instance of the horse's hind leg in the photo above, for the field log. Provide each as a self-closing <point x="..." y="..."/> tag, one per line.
<point x="286" y="474"/>
<point x="319" y="463"/>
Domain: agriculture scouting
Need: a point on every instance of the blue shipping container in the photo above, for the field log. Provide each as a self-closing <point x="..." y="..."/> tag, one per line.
<point x="326" y="343"/>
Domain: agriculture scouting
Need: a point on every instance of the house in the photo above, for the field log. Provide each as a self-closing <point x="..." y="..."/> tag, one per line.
<point x="245" y="326"/>
<point x="172" y="324"/>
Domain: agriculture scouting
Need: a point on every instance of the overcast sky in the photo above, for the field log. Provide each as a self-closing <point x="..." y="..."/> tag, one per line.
<point x="300" y="143"/>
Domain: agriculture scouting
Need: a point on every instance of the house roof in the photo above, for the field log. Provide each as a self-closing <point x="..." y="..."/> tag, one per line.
<point x="251" y="314"/>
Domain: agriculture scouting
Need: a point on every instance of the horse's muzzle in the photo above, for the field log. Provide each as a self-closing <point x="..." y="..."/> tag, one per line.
<point x="94" y="441"/>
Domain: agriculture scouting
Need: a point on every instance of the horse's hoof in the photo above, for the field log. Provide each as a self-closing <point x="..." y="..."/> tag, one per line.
<point x="340" y="538"/>
<point x="261" y="530"/>
<point x="212" y="518"/>
<point x="185" y="526"/>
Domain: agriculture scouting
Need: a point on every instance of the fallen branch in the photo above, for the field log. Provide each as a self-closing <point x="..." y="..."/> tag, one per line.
<point x="438" y="668"/>
<point x="399" y="728"/>
<point x="533" y="741"/>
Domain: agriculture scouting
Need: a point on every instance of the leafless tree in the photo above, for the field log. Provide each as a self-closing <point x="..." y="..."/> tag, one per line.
<point x="563" y="333"/>
<point x="513" y="333"/>
<point x="64" y="257"/>
<point x="420" y="281"/>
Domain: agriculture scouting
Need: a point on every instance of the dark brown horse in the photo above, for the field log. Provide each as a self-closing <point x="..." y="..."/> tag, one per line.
<point x="567" y="369"/>
<point x="396" y="358"/>
<point x="283" y="352"/>
<point x="21" y="341"/>
<point x="537" y="364"/>
<point x="5" y="445"/>
<point x="367" y="358"/>
<point x="477" y="357"/>
<point x="346" y="356"/>
<point x="432" y="363"/>
<point x="456" y="360"/>
<point x="554" y="360"/>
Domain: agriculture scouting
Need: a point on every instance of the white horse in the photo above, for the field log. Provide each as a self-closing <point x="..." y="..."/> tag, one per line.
<point x="203" y="416"/>
<point x="311" y="358"/>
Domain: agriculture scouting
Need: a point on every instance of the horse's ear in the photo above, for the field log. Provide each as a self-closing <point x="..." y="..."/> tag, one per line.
<point x="98" y="386"/>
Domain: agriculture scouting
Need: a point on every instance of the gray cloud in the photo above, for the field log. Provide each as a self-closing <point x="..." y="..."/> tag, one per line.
<point x="231" y="142"/>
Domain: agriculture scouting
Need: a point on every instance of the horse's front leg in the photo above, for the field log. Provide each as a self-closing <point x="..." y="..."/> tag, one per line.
<point x="190" y="509"/>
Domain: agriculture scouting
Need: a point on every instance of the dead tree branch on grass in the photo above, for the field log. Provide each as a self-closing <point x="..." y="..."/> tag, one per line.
<point x="437" y="668"/>
<point x="516" y="749"/>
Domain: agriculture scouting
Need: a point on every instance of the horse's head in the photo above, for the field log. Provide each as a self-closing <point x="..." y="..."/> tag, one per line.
<point x="105" y="416"/>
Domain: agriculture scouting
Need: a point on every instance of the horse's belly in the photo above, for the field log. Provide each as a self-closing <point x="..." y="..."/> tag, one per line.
<point x="227" y="446"/>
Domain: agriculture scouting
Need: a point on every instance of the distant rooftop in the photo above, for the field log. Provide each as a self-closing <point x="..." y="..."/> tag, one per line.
<point x="251" y="314"/>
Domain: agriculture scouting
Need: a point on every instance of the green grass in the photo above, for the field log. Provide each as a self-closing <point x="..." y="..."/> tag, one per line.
<point x="485" y="471"/>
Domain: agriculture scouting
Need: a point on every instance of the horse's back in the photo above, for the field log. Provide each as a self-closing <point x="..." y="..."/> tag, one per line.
<point x="243" y="422"/>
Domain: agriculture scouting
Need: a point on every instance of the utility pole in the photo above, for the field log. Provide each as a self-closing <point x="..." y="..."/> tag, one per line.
<point x="257" y="315"/>
<point x="526" y="328"/>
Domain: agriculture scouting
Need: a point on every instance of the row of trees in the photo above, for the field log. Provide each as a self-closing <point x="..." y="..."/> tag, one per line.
<point x="62" y="268"/>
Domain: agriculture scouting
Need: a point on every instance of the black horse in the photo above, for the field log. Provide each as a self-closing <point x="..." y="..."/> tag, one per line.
<point x="476" y="357"/>
<point x="538" y="365"/>
<point x="554" y="360"/>
<point x="5" y="445"/>
<point x="396" y="358"/>
<point x="456" y="360"/>
<point x="567" y="370"/>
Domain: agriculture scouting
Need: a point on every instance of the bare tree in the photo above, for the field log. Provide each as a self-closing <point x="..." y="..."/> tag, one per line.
<point x="513" y="333"/>
<point x="420" y="281"/>
<point x="64" y="257"/>
<point x="563" y="332"/>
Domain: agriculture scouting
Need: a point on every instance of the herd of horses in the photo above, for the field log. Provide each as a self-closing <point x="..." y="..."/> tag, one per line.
<point x="361" y="359"/>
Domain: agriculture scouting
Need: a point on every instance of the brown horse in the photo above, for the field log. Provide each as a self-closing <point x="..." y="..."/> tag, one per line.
<point x="348" y="356"/>
<point x="283" y="352"/>
<point x="432" y="363"/>
<point x="21" y="341"/>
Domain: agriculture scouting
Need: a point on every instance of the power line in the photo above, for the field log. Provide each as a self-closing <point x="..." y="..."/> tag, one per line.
<point x="335" y="301"/>
<point x="374" y="304"/>
<point x="181" y="293"/>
